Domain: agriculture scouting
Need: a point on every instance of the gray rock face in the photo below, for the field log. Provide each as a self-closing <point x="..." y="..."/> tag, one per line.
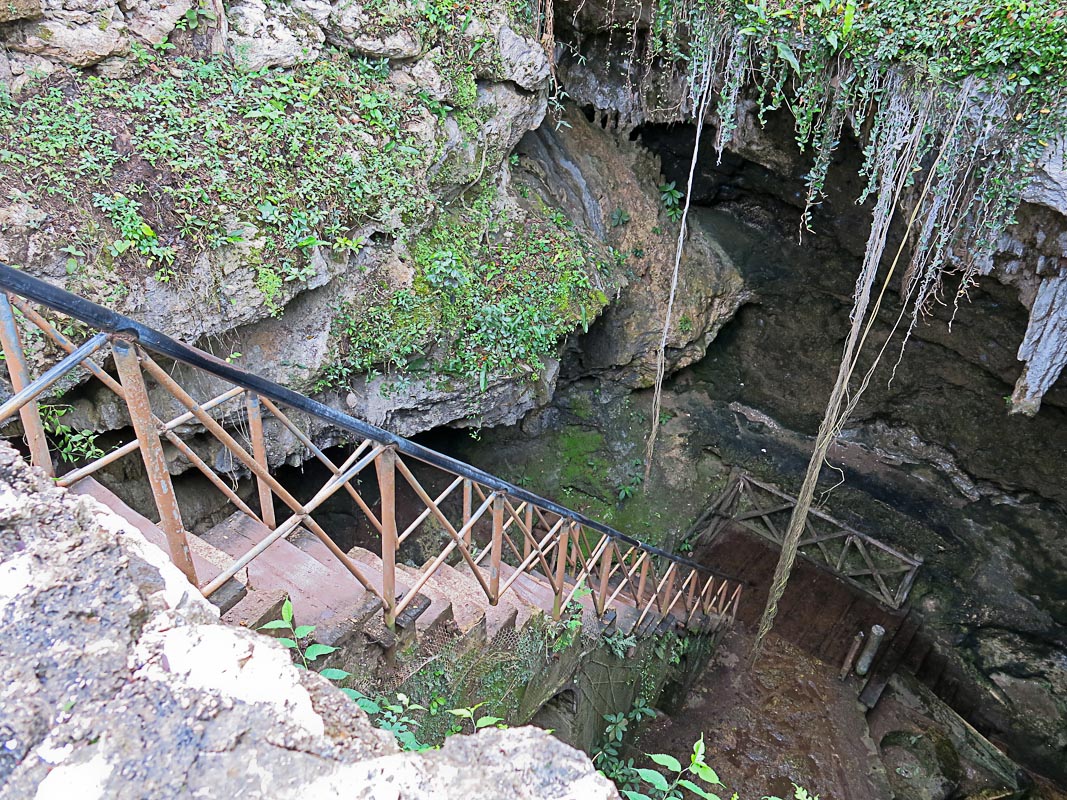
<point x="80" y="39"/>
<point x="272" y="36"/>
<point x="120" y="682"/>
<point x="1044" y="350"/>
<point x="20" y="9"/>
<point x="611" y="186"/>
<point x="357" y="27"/>
<point x="524" y="63"/>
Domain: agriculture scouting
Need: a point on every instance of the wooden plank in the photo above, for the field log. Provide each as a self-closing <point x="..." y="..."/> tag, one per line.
<point x="888" y="660"/>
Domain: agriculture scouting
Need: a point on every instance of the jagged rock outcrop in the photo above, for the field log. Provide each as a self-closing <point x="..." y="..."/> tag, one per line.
<point x="120" y="682"/>
<point x="611" y="186"/>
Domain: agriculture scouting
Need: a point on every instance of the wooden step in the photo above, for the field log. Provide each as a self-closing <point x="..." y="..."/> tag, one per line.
<point x="256" y="608"/>
<point x="466" y="597"/>
<point x="208" y="561"/>
<point x="435" y="613"/>
<point x="326" y="596"/>
<point x="522" y="598"/>
<point x="439" y="613"/>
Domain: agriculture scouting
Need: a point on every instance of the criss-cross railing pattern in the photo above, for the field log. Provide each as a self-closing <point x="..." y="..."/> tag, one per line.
<point x="878" y="569"/>
<point x="499" y="531"/>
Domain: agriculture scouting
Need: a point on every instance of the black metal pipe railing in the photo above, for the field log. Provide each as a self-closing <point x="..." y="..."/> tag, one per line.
<point x="104" y="319"/>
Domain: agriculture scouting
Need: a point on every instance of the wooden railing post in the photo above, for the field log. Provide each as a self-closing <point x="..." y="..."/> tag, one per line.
<point x="467" y="503"/>
<point x="528" y="535"/>
<point x="385" y="465"/>
<point x="259" y="452"/>
<point x="690" y="601"/>
<point x="15" y="359"/>
<point x="561" y="570"/>
<point x="668" y="588"/>
<point x="155" y="462"/>
<point x="642" y="581"/>
<point x="497" y="548"/>
<point x="605" y="570"/>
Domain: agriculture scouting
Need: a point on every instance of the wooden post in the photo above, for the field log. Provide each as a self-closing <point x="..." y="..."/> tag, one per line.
<point x="259" y="452"/>
<point x="605" y="570"/>
<point x="385" y="465"/>
<point x="497" y="548"/>
<point x="642" y="580"/>
<point x="20" y="378"/>
<point x="668" y="588"/>
<point x="467" y="510"/>
<point x="170" y="518"/>
<point x="528" y="534"/>
<point x="561" y="570"/>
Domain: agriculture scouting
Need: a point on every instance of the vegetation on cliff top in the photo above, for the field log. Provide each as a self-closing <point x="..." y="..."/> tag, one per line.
<point x="495" y="285"/>
<point x="290" y="173"/>
<point x="145" y="174"/>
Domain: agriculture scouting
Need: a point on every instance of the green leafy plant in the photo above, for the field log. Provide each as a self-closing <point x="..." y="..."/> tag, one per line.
<point x="634" y="479"/>
<point x="619" y="217"/>
<point x="671" y="197"/>
<point x="620" y="643"/>
<point x="305" y="654"/>
<point x="485" y="721"/>
<point x="133" y="231"/>
<point x="73" y="445"/>
<point x="565" y="632"/>
<point x="656" y="784"/>
<point x="395" y="716"/>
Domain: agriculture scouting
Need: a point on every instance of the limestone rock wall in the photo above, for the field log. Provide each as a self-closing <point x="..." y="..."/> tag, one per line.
<point x="233" y="295"/>
<point x="612" y="186"/>
<point x="120" y="682"/>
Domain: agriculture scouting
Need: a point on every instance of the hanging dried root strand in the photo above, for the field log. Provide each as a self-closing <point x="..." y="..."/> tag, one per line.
<point x="961" y="174"/>
<point x="702" y="106"/>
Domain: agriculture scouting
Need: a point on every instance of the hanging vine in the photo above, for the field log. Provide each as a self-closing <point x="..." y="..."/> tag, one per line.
<point x="954" y="104"/>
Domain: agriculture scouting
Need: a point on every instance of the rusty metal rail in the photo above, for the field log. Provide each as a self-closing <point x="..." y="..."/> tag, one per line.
<point x="498" y="530"/>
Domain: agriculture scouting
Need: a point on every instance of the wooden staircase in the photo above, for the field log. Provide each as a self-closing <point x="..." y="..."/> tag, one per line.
<point x="322" y="590"/>
<point x="517" y="553"/>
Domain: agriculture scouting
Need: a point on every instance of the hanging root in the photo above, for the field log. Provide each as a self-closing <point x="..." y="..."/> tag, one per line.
<point x="661" y="355"/>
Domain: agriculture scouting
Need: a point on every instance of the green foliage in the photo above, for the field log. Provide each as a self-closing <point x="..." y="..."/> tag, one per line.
<point x="395" y="716"/>
<point x="73" y="445"/>
<point x="494" y="290"/>
<point x="619" y="217"/>
<point x="401" y="716"/>
<point x="635" y="477"/>
<point x="134" y="232"/>
<point x="305" y="653"/>
<point x="620" y="643"/>
<point x="398" y="714"/>
<point x="565" y="632"/>
<point x="671" y="780"/>
<point x="671" y="197"/>
<point x="300" y="157"/>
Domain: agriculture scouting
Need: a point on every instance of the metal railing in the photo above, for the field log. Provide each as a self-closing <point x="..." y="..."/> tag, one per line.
<point x="499" y="530"/>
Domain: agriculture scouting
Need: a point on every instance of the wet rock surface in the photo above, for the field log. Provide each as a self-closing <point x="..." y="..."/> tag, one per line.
<point x="121" y="683"/>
